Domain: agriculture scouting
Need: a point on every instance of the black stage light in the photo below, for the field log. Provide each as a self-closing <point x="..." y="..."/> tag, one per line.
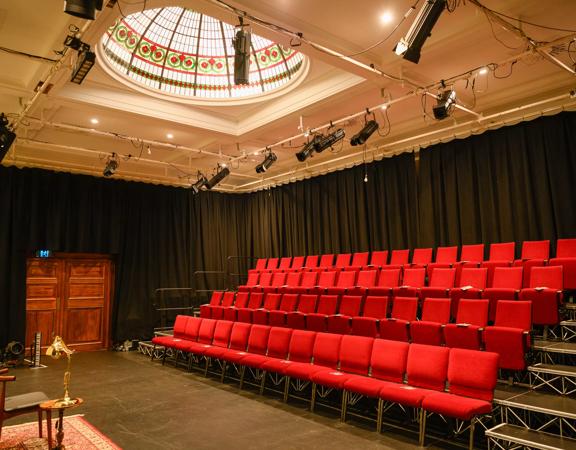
<point x="267" y="163"/>
<point x="13" y="354"/>
<point x="308" y="148"/>
<point x="362" y="136"/>
<point x="202" y="180"/>
<point x="83" y="65"/>
<point x="222" y="173"/>
<point x="329" y="140"/>
<point x="445" y="104"/>
<point x="409" y="47"/>
<point x="7" y="136"/>
<point x="241" y="45"/>
<point x="85" y="9"/>
<point x="111" y="166"/>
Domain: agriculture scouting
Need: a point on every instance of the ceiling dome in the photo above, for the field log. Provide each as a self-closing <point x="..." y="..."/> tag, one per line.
<point x="180" y="52"/>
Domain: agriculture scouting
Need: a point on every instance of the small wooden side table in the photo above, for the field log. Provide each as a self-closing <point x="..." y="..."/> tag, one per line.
<point x="55" y="405"/>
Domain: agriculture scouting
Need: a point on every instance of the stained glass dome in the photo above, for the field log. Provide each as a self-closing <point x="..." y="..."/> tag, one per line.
<point x="180" y="52"/>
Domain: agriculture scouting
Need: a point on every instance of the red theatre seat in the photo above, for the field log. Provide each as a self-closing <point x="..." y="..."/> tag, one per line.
<point x="398" y="259"/>
<point x="471" y="255"/>
<point x="227" y="302"/>
<point x="326" y="280"/>
<point x="215" y="299"/>
<point x="446" y="257"/>
<point x="501" y="255"/>
<point x="307" y="281"/>
<point x="421" y="257"/>
<point x="272" y="263"/>
<point x="387" y="280"/>
<point x="277" y="282"/>
<point x="306" y="305"/>
<point x="311" y="262"/>
<point x="534" y="254"/>
<point x="471" y="319"/>
<point x="440" y="284"/>
<point x="506" y="285"/>
<point x="271" y="302"/>
<point x="253" y="278"/>
<point x="375" y="309"/>
<point x="359" y="260"/>
<point x="404" y="311"/>
<point x="366" y="280"/>
<point x="345" y="280"/>
<point x="378" y="259"/>
<point x="435" y="314"/>
<point x="327" y="306"/>
<point x="545" y="293"/>
<point x="412" y="282"/>
<point x="342" y="322"/>
<point x="254" y="302"/>
<point x="297" y="263"/>
<point x="472" y="284"/>
<point x="277" y="318"/>
<point x="566" y="257"/>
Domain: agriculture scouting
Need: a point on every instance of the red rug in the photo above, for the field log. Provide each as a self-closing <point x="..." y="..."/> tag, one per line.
<point x="78" y="435"/>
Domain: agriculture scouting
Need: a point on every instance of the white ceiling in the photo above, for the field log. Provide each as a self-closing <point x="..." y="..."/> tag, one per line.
<point x="55" y="131"/>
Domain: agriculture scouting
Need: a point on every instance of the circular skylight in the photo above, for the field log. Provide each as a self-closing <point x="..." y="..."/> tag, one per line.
<point x="180" y="52"/>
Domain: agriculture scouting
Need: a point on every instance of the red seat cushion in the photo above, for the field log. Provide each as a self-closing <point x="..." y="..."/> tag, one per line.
<point x="277" y="365"/>
<point x="330" y="378"/>
<point x="404" y="394"/>
<point x="254" y="360"/>
<point x="451" y="405"/>
<point x="367" y="386"/>
<point x="304" y="371"/>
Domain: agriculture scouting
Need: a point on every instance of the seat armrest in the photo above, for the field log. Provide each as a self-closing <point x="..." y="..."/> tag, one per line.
<point x="462" y="325"/>
<point x="465" y="288"/>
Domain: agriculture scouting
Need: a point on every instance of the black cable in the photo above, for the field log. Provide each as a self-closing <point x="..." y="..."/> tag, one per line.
<point x="507" y="75"/>
<point x="526" y="22"/>
<point x="28" y="55"/>
<point x="495" y="36"/>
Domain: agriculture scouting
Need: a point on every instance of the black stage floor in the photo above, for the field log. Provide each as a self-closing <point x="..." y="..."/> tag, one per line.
<point x="141" y="405"/>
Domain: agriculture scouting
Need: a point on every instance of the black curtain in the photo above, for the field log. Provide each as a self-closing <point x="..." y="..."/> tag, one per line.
<point x="515" y="183"/>
<point x="511" y="184"/>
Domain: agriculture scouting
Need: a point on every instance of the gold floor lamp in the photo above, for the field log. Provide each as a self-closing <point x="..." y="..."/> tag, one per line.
<point x="55" y="351"/>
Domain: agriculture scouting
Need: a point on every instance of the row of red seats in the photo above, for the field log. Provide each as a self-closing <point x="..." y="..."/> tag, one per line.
<point x="327" y="313"/>
<point x="411" y="375"/>
<point x="534" y="253"/>
<point x="544" y="291"/>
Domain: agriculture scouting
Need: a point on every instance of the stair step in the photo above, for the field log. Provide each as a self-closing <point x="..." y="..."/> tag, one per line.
<point x="530" y="438"/>
<point x="570" y="306"/>
<point x="568" y="323"/>
<point x="541" y="402"/>
<point x="555" y="346"/>
<point x="554" y="369"/>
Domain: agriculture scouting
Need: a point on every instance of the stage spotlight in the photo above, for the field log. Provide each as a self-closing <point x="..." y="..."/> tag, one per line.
<point x="202" y="180"/>
<point x="267" y="163"/>
<point x="409" y="47"/>
<point x="446" y="101"/>
<point x="85" y="9"/>
<point x="241" y="44"/>
<point x="308" y="148"/>
<point x="329" y="140"/>
<point x="7" y="136"/>
<point x="86" y="60"/>
<point x="362" y="136"/>
<point x="111" y="166"/>
<point x="220" y="175"/>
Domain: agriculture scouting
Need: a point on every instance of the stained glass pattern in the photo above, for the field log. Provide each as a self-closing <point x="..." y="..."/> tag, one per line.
<point x="182" y="52"/>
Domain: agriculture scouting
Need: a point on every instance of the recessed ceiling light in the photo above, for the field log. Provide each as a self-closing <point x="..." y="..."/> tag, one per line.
<point x="483" y="71"/>
<point x="169" y="135"/>
<point x="386" y="17"/>
<point x="94" y="120"/>
<point x="223" y="165"/>
<point x="384" y="107"/>
<point x="256" y="153"/>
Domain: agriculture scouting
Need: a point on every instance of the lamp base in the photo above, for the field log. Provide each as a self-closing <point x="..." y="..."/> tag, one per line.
<point x="65" y="402"/>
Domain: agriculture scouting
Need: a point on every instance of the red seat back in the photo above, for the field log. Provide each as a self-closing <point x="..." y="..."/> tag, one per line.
<point x="355" y="354"/>
<point x="343" y="260"/>
<point x="473" y="252"/>
<point x="566" y="248"/>
<point x="289" y="302"/>
<point x="272" y="301"/>
<point x="258" y="340"/>
<point x="507" y="278"/>
<point x="473" y="373"/>
<point x="379" y="258"/>
<point x="446" y="255"/>
<point x="239" y="335"/>
<point x="222" y="333"/>
<point x="261" y="263"/>
<point x="217" y="297"/>
<point x="436" y="310"/>
<point x="350" y="305"/>
<point x="206" y="332"/>
<point x="475" y="277"/>
<point x="427" y="366"/>
<point x="293" y="279"/>
<point x="327" y="279"/>
<point x="360" y="259"/>
<point x="301" y="345"/>
<point x="376" y="306"/>
<point x="389" y="360"/>
<point x="253" y="278"/>
<point x="285" y="263"/>
<point x="180" y="325"/>
<point x="272" y="263"/>
<point x="308" y="279"/>
<point x="311" y="261"/>
<point x="399" y="257"/>
<point x="327" y="349"/>
<point x="265" y="279"/>
<point x="550" y="277"/>
<point x="191" y="330"/>
<point x="473" y="312"/>
<point x="228" y="298"/>
<point x="367" y="278"/>
<point x="502" y="251"/>
<point x="241" y="300"/>
<point x="514" y="314"/>
<point x="326" y="260"/>
<point x="443" y="278"/>
<point x="422" y="256"/>
<point x="389" y="278"/>
<point x="307" y="303"/>
<point x="327" y="304"/>
<point x="278" y="342"/>
<point x="416" y="277"/>
<point x="297" y="262"/>
<point x="279" y="279"/>
<point x="405" y="308"/>
<point x="346" y="278"/>
<point x="536" y="249"/>
<point x="255" y="301"/>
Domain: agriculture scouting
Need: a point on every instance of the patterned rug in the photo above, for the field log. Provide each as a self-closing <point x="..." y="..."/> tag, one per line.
<point x="78" y="435"/>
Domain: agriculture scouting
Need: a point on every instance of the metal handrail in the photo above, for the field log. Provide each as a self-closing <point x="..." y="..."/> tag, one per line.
<point x="231" y="274"/>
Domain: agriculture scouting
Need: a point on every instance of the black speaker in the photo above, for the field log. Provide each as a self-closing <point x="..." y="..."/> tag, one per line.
<point x="242" y="43"/>
<point x="6" y="137"/>
<point x="85" y="9"/>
